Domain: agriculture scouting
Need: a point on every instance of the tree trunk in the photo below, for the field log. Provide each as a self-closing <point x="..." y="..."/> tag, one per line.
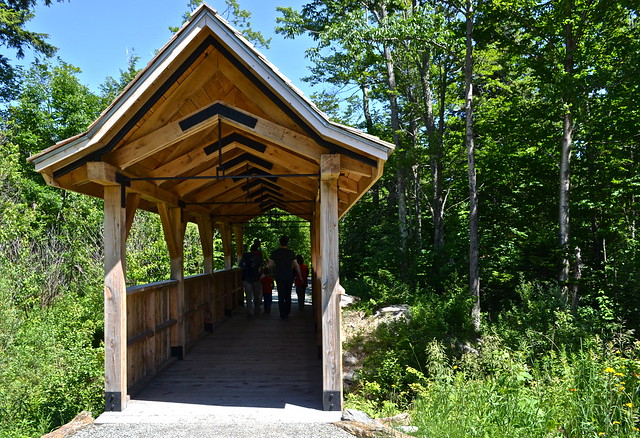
<point x="435" y="152"/>
<point x="369" y="124"/>
<point x="400" y="176"/>
<point x="565" y="156"/>
<point x="577" y="275"/>
<point x="474" y="275"/>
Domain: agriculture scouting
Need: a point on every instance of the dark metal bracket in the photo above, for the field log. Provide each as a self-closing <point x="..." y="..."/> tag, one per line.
<point x="331" y="401"/>
<point x="113" y="401"/>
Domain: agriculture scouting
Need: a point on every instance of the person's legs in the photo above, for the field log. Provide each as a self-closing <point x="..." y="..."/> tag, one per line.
<point x="284" y="296"/>
<point x="257" y="289"/>
<point x="288" y="299"/>
<point x="300" y="291"/>
<point x="268" y="299"/>
<point x="248" y="293"/>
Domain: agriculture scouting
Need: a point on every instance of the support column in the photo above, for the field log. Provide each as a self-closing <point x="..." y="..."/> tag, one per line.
<point x="238" y="234"/>
<point x="133" y="200"/>
<point x="205" y="229"/>
<point x="115" y="301"/>
<point x="331" y="342"/>
<point x="316" y="263"/>
<point x="174" y="228"/>
<point x="225" y="234"/>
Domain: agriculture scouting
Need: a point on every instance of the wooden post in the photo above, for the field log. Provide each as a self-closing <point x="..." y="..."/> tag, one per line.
<point x="174" y="228"/>
<point x="238" y="236"/>
<point x="225" y="234"/>
<point x="133" y="200"/>
<point x="316" y="263"/>
<point x="331" y="342"/>
<point x="115" y="301"/>
<point x="205" y="228"/>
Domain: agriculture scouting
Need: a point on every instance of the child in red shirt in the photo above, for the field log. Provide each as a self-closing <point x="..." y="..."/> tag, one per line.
<point x="267" y="289"/>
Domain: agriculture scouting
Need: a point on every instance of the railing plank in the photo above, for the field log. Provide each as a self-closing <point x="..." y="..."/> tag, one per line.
<point x="208" y="297"/>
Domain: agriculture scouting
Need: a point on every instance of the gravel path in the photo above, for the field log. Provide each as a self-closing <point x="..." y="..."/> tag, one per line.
<point x="204" y="430"/>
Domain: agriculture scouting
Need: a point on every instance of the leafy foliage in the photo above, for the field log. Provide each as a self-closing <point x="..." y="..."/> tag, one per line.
<point x="538" y="368"/>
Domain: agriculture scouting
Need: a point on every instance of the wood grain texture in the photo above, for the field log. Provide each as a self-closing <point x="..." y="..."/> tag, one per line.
<point x="115" y="295"/>
<point x="253" y="362"/>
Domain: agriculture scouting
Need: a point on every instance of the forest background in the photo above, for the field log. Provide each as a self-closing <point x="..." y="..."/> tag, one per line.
<point x="506" y="217"/>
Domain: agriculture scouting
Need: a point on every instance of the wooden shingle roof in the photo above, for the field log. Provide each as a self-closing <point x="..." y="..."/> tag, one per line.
<point x="211" y="126"/>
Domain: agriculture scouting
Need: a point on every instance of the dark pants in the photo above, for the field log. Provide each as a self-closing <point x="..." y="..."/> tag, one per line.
<point x="300" y="291"/>
<point x="267" y="302"/>
<point x="284" y="295"/>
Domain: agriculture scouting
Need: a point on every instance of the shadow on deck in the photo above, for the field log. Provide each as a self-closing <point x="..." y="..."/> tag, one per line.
<point x="262" y="368"/>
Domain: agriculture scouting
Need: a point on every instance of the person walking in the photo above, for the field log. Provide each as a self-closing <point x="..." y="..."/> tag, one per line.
<point x="250" y="264"/>
<point x="267" y="289"/>
<point x="282" y="262"/>
<point x="301" y="281"/>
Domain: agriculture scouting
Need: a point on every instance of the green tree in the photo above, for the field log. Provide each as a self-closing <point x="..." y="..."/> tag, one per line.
<point x="238" y="17"/>
<point x="14" y="17"/>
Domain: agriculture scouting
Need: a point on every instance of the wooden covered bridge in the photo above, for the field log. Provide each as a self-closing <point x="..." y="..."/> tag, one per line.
<point x="210" y="132"/>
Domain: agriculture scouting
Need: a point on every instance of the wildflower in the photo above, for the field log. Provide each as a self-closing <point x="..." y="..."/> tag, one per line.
<point x="609" y="370"/>
<point x="629" y="405"/>
<point x="615" y="422"/>
<point x="572" y="389"/>
<point x="619" y="374"/>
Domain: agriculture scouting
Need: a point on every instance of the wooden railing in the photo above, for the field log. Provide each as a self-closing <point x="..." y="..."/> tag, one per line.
<point x="208" y="298"/>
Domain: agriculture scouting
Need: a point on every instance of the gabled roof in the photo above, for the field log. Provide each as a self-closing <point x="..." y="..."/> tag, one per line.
<point x="210" y="125"/>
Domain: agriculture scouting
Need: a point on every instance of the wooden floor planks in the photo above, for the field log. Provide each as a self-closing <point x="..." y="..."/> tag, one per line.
<point x="261" y="361"/>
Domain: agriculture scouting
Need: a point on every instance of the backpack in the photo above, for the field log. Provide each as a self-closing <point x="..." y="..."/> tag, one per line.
<point x="250" y="265"/>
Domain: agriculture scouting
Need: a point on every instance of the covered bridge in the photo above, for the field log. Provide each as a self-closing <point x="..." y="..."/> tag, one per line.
<point x="210" y="132"/>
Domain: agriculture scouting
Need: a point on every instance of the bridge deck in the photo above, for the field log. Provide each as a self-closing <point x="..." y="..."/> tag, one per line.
<point x="260" y="368"/>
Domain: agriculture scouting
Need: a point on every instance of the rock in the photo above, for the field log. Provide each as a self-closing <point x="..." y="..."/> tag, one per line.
<point x="394" y="312"/>
<point x="350" y="377"/>
<point x="370" y="430"/>
<point x="408" y="429"/>
<point x="466" y="348"/>
<point x="83" y="419"/>
<point x="348" y="300"/>
<point x="355" y="415"/>
<point x="397" y="420"/>
<point x="350" y="359"/>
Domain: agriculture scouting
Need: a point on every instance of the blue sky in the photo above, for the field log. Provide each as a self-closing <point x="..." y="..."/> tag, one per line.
<point x="96" y="35"/>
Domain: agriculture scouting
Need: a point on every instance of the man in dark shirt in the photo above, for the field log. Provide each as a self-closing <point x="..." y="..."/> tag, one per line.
<point x="284" y="261"/>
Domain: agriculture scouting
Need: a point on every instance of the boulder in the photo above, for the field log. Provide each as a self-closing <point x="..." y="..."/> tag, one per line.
<point x="394" y="313"/>
<point x="356" y="415"/>
<point x="81" y="420"/>
<point x="359" y="424"/>
<point x="348" y="300"/>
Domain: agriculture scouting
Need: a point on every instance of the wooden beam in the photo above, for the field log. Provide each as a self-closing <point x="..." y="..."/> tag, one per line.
<point x="183" y="163"/>
<point x="143" y="147"/>
<point x="133" y="200"/>
<point x="174" y="228"/>
<point x="316" y="263"/>
<point x="331" y="342"/>
<point x="349" y="165"/>
<point x="187" y="187"/>
<point x="205" y="228"/>
<point x="282" y="157"/>
<point x="115" y="301"/>
<point x="225" y="234"/>
<point x="238" y="234"/>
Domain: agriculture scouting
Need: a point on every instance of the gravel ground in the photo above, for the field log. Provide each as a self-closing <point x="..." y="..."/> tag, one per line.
<point x="205" y="430"/>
